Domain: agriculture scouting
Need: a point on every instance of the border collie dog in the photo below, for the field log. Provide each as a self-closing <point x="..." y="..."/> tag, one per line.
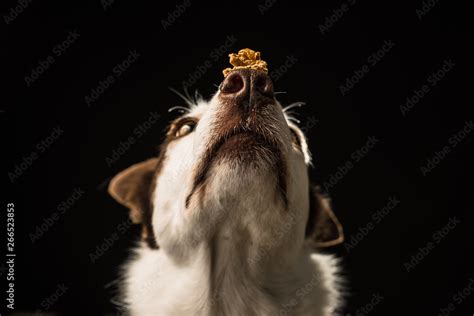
<point x="231" y="224"/>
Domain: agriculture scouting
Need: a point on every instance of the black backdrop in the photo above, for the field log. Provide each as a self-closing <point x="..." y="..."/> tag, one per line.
<point x="64" y="143"/>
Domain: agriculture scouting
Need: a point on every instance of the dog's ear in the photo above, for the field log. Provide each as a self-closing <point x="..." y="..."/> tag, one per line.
<point x="133" y="188"/>
<point x="323" y="228"/>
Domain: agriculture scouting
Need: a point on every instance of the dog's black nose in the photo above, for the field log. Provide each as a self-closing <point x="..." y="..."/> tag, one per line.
<point x="233" y="83"/>
<point x="261" y="83"/>
<point x="247" y="86"/>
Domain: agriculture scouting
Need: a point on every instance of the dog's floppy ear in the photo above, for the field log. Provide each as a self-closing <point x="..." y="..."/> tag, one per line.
<point x="133" y="188"/>
<point x="323" y="228"/>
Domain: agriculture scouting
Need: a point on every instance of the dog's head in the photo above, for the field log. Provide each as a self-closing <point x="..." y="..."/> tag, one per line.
<point x="233" y="164"/>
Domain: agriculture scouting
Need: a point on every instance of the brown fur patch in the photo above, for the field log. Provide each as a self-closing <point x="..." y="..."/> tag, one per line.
<point x="133" y="188"/>
<point x="323" y="228"/>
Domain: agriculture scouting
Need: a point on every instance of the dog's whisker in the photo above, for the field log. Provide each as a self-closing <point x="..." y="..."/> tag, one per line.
<point x="279" y="92"/>
<point x="291" y="113"/>
<point x="186" y="93"/>
<point x="293" y="105"/>
<point x="185" y="96"/>
<point x="290" y="118"/>
<point x="197" y="96"/>
<point x="182" y="109"/>
<point x="118" y="303"/>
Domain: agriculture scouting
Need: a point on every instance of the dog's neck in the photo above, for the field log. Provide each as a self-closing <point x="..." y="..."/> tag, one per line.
<point x="238" y="274"/>
<point x="234" y="278"/>
<point x="237" y="271"/>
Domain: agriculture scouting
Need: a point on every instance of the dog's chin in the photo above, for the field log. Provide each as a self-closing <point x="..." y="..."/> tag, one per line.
<point x="238" y="162"/>
<point x="247" y="150"/>
<point x="244" y="165"/>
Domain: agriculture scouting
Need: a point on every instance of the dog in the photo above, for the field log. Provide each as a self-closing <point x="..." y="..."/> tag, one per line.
<point x="231" y="224"/>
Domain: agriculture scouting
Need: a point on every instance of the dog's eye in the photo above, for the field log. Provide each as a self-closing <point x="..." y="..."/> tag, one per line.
<point x="185" y="129"/>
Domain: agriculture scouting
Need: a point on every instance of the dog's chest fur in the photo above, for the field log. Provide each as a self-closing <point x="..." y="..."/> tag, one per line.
<point x="216" y="283"/>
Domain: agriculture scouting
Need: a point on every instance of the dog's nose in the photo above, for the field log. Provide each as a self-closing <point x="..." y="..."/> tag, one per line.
<point x="262" y="84"/>
<point x="233" y="84"/>
<point x="247" y="86"/>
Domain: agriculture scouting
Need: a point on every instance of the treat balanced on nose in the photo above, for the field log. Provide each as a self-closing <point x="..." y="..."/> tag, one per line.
<point x="246" y="59"/>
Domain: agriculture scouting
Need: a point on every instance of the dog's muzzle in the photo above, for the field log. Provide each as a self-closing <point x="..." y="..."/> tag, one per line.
<point x="242" y="131"/>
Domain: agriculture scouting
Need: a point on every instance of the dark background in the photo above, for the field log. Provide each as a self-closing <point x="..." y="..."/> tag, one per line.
<point x="77" y="159"/>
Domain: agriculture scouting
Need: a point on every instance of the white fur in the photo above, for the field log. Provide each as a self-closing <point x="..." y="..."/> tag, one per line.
<point x="239" y="251"/>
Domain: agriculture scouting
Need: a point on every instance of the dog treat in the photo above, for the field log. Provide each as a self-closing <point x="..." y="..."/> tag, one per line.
<point x="246" y="58"/>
